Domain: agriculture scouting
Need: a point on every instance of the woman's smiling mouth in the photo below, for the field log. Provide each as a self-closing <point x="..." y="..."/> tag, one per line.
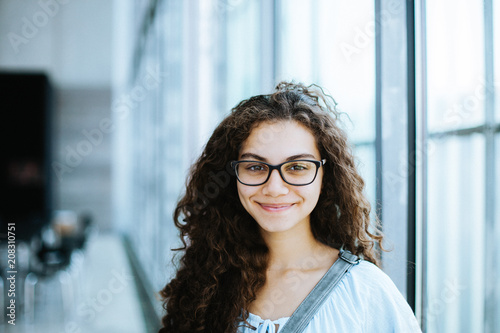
<point x="275" y="207"/>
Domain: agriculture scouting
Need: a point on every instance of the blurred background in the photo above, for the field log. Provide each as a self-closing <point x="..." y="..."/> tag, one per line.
<point x="105" y="105"/>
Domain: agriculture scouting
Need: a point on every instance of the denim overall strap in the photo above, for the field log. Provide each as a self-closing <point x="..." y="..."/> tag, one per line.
<point x="310" y="305"/>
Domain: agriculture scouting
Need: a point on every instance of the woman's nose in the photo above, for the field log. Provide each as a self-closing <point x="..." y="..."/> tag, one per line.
<point x="275" y="185"/>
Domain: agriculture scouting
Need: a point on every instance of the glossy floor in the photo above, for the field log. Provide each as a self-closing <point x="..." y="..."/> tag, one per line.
<point x="97" y="293"/>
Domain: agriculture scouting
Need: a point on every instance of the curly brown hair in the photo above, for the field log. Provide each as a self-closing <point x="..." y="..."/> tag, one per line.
<point x="224" y="255"/>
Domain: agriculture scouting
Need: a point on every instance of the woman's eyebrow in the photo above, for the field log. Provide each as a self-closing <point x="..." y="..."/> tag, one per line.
<point x="253" y="156"/>
<point x="300" y="156"/>
<point x="263" y="159"/>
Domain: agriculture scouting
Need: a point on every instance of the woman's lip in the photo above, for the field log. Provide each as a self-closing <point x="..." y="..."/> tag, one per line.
<point x="275" y="207"/>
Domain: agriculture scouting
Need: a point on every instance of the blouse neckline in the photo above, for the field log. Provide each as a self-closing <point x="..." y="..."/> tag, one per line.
<point x="257" y="319"/>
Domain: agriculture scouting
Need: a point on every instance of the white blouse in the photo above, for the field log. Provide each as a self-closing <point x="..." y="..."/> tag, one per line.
<point x="365" y="300"/>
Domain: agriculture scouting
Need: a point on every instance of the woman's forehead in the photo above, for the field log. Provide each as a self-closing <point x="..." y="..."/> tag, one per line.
<point x="280" y="140"/>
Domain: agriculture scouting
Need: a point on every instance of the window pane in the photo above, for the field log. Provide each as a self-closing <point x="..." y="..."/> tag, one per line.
<point x="496" y="244"/>
<point x="296" y="41"/>
<point x="333" y="46"/>
<point x="455" y="235"/>
<point x="243" y="52"/>
<point x="455" y="60"/>
<point x="172" y="124"/>
<point x="496" y="52"/>
<point x="366" y="156"/>
<point x="346" y="60"/>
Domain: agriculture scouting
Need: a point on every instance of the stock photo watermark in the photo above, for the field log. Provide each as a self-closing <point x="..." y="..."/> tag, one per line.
<point x="219" y="181"/>
<point x="88" y="310"/>
<point x="122" y="107"/>
<point x="293" y="282"/>
<point x="409" y="163"/>
<point x="223" y="6"/>
<point x="11" y="273"/>
<point x="456" y="114"/>
<point x="449" y="294"/>
<point x="32" y="24"/>
<point x="364" y="36"/>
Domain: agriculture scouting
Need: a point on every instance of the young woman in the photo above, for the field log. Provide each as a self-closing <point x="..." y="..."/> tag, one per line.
<point x="269" y="205"/>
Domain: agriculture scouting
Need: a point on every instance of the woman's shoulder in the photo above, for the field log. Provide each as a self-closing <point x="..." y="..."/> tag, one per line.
<point x="368" y="275"/>
<point x="363" y="283"/>
<point x="367" y="297"/>
<point x="368" y="284"/>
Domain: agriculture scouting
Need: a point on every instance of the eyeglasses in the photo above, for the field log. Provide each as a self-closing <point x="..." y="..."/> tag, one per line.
<point x="296" y="172"/>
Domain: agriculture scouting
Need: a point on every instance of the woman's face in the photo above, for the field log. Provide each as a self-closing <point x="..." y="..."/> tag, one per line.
<point x="275" y="205"/>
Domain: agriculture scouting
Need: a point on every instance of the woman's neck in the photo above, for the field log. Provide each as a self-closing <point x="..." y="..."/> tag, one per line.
<point x="297" y="250"/>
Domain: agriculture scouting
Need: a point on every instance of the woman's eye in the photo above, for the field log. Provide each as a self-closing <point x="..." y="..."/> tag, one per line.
<point x="256" y="167"/>
<point x="297" y="167"/>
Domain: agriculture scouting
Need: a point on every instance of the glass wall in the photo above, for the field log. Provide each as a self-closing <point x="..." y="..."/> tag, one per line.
<point x="461" y="290"/>
<point x="493" y="314"/>
<point x="455" y="64"/>
<point x="496" y="51"/>
<point x="456" y="233"/>
<point x="244" y="58"/>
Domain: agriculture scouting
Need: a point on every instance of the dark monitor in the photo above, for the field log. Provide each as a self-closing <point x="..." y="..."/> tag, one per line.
<point x="25" y="186"/>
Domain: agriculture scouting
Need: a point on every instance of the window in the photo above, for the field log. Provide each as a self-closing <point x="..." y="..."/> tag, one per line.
<point x="460" y="239"/>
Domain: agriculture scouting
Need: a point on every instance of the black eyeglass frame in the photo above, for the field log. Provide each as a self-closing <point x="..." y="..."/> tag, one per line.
<point x="272" y="167"/>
